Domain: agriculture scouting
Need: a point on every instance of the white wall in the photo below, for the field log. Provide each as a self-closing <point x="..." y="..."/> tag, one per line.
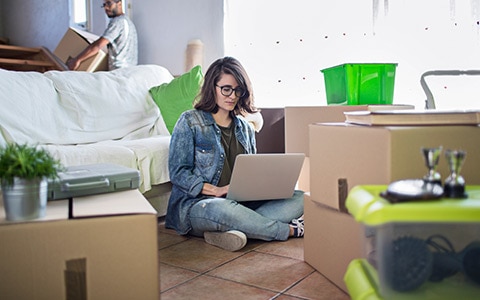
<point x="34" y="23"/>
<point x="285" y="48"/>
<point x="1" y="17"/>
<point x="165" y="28"/>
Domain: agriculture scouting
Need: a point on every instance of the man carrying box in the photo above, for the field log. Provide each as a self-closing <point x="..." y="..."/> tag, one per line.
<point x="120" y="37"/>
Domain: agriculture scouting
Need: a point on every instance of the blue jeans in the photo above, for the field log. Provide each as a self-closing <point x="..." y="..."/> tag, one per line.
<point x="264" y="220"/>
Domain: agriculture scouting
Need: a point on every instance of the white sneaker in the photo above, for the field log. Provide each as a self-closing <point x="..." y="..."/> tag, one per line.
<point x="298" y="226"/>
<point x="232" y="240"/>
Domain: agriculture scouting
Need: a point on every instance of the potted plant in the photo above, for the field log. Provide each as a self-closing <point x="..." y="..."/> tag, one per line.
<point x="24" y="174"/>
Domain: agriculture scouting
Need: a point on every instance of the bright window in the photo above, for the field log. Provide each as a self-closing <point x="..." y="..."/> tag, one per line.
<point x="79" y="14"/>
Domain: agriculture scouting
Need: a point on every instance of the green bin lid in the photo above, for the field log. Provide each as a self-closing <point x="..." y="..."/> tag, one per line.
<point x="368" y="207"/>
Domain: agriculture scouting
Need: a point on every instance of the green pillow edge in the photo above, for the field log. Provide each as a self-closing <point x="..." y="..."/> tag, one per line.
<point x="182" y="91"/>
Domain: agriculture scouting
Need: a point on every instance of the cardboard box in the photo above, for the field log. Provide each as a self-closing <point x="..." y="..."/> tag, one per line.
<point x="297" y="120"/>
<point x="332" y="240"/>
<point x="73" y="42"/>
<point x="343" y="156"/>
<point x="108" y="250"/>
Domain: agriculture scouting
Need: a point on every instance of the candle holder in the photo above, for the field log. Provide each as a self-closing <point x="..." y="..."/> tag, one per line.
<point x="432" y="155"/>
<point x="454" y="186"/>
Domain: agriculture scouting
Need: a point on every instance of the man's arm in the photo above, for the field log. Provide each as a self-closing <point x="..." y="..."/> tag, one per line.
<point x="92" y="49"/>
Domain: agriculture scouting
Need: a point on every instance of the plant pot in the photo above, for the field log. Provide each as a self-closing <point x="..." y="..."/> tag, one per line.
<point x="25" y="199"/>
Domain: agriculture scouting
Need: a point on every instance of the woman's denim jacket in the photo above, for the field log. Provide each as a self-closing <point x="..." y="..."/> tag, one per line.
<point x="196" y="156"/>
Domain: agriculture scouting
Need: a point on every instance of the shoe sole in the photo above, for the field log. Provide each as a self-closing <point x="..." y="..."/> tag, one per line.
<point x="232" y="240"/>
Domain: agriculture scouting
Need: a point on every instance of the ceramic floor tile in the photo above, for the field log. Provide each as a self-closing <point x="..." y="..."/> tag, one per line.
<point x="317" y="287"/>
<point x="189" y="268"/>
<point x="172" y="276"/>
<point x="265" y="271"/>
<point x="251" y="244"/>
<point x="167" y="239"/>
<point x="206" y="287"/>
<point x="292" y="248"/>
<point x="287" y="297"/>
<point x="196" y="255"/>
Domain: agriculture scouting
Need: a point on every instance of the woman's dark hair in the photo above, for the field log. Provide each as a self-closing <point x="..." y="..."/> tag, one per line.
<point x="227" y="65"/>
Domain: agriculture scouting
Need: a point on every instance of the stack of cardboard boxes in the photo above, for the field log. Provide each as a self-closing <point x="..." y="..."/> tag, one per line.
<point x="328" y="229"/>
<point x="341" y="156"/>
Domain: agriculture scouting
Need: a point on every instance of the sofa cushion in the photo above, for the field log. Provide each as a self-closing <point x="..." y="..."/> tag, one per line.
<point x="107" y="105"/>
<point x="151" y="155"/>
<point x="177" y="96"/>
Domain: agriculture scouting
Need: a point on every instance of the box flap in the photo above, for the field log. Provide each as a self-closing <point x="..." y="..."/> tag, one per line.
<point x="57" y="210"/>
<point x="87" y="36"/>
<point x="119" y="203"/>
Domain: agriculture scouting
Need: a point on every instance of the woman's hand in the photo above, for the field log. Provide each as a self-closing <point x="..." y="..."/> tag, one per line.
<point x="212" y="190"/>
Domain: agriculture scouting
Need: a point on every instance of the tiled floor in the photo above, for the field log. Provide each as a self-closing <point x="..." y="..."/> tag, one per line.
<point x="192" y="269"/>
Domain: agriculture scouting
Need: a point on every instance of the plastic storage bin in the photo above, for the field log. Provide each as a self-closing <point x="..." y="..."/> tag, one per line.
<point x="359" y="84"/>
<point x="420" y="250"/>
<point x="362" y="280"/>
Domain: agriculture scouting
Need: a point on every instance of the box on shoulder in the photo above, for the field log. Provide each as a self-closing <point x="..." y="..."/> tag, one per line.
<point x="343" y="156"/>
<point x="75" y="41"/>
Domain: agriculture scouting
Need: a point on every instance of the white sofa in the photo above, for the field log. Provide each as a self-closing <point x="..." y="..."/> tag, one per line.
<point x="85" y="118"/>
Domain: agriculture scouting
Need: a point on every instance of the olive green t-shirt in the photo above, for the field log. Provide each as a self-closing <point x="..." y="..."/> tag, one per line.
<point x="232" y="148"/>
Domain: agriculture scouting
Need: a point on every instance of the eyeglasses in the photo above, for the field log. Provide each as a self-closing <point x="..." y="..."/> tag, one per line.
<point x="109" y="3"/>
<point x="227" y="91"/>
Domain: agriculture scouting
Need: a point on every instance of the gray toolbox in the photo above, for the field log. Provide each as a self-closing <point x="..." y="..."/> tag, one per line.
<point x="92" y="179"/>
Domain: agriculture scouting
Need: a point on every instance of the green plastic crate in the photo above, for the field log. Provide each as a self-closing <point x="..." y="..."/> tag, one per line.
<point x="360" y="84"/>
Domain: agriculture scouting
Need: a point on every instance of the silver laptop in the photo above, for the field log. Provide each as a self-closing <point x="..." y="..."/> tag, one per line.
<point x="265" y="176"/>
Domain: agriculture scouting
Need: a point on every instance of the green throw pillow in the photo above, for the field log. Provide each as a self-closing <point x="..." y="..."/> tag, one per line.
<point x="177" y="96"/>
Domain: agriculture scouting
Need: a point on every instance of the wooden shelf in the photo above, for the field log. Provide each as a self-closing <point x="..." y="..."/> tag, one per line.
<point x="40" y="59"/>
